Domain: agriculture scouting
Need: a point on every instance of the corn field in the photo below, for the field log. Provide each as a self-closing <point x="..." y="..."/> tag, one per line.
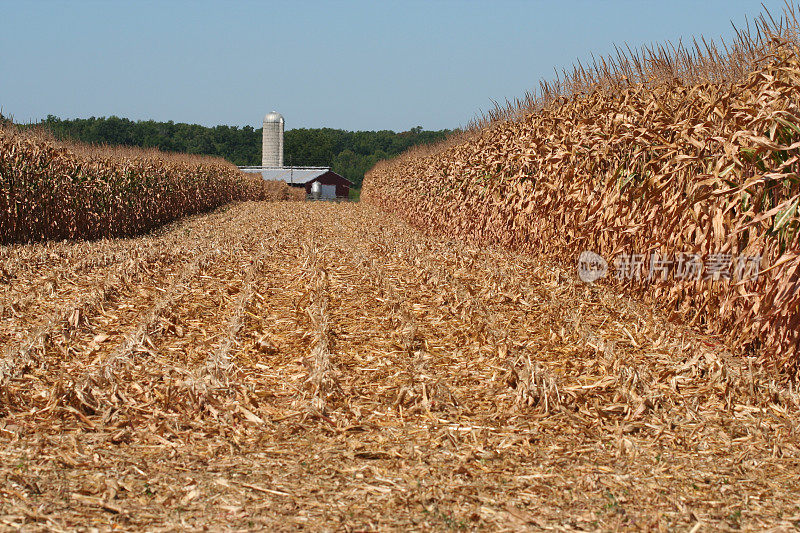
<point x="51" y="190"/>
<point x="311" y="365"/>
<point x="670" y="151"/>
<point x="426" y="359"/>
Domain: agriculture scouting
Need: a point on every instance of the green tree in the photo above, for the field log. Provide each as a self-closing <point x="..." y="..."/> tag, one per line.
<point x="349" y="153"/>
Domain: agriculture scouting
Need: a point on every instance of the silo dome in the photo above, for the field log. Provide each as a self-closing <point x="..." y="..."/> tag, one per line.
<point x="272" y="140"/>
<point x="273" y="117"/>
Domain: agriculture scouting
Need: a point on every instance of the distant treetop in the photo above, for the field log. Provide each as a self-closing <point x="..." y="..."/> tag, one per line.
<point x="348" y="153"/>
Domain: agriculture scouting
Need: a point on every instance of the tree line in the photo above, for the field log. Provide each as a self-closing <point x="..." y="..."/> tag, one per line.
<point x="348" y="153"/>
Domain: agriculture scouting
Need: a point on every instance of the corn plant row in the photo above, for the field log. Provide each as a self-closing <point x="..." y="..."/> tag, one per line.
<point x="127" y="269"/>
<point x="413" y="393"/>
<point x="122" y="356"/>
<point x="73" y="258"/>
<point x="18" y="358"/>
<point x="639" y="390"/>
<point x="321" y="380"/>
<point x="124" y="261"/>
<point x="210" y="382"/>
<point x="534" y="385"/>
<point x="706" y="170"/>
<point x="51" y="190"/>
<point x="218" y="366"/>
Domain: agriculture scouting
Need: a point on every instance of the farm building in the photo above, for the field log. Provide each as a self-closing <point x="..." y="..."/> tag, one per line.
<point x="331" y="185"/>
<point x="321" y="181"/>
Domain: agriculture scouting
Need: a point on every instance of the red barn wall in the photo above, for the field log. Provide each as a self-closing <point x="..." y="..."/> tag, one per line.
<point x="332" y="178"/>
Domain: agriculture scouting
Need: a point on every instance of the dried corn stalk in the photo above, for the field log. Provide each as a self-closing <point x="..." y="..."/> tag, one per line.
<point x="52" y="190"/>
<point x="687" y="165"/>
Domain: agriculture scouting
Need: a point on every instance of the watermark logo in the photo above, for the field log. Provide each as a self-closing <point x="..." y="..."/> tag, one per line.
<point x="591" y="266"/>
<point x="717" y="267"/>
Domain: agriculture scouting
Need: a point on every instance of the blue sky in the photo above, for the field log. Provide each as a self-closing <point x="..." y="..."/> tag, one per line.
<point x="352" y="65"/>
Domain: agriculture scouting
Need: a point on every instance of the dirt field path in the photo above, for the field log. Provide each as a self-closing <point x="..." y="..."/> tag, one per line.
<point x="325" y="367"/>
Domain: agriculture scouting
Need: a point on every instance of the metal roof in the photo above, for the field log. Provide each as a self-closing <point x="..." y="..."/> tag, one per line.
<point x="273" y="117"/>
<point x="291" y="175"/>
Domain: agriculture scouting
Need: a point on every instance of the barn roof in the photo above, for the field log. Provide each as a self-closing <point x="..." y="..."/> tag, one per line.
<point x="291" y="175"/>
<point x="288" y="174"/>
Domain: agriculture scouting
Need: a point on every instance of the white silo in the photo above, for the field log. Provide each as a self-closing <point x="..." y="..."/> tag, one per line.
<point x="272" y="141"/>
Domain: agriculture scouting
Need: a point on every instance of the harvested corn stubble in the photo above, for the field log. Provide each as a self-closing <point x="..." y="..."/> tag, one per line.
<point x="294" y="365"/>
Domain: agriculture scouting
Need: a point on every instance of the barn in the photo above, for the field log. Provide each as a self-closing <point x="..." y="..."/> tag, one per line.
<point x="331" y="184"/>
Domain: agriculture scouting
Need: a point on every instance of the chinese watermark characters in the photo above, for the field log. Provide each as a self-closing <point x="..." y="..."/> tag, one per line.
<point x="654" y="267"/>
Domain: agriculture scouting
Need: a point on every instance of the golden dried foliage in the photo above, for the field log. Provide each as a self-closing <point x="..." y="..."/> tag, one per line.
<point x="688" y="163"/>
<point x="57" y="190"/>
<point x="293" y="365"/>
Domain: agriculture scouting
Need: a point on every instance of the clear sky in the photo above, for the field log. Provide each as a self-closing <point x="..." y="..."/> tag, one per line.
<point x="363" y="65"/>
